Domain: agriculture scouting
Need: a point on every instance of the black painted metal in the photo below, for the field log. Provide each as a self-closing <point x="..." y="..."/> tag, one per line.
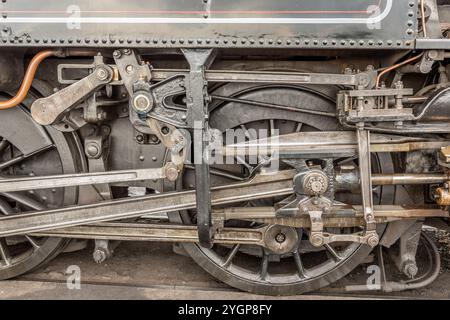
<point x="210" y="23"/>
<point x="197" y="118"/>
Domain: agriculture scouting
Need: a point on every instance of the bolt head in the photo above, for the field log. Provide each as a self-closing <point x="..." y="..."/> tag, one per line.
<point x="139" y="138"/>
<point x="280" y="238"/>
<point x="142" y="103"/>
<point x="92" y="150"/>
<point x="117" y="54"/>
<point x="373" y="240"/>
<point x="172" y="172"/>
<point x="410" y="270"/>
<point x="102" y="74"/>
<point x="99" y="255"/>
<point x="316" y="240"/>
<point x="129" y="69"/>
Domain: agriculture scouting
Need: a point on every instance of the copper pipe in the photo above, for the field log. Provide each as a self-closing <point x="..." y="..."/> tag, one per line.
<point x="27" y="79"/>
<point x="395" y="66"/>
<point x="422" y="13"/>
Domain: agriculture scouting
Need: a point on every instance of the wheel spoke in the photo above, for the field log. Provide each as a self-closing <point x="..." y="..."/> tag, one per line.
<point x="241" y="160"/>
<point x="229" y="258"/>
<point x="4" y="252"/>
<point x="334" y="254"/>
<point x="5" y="208"/>
<point x="33" y="242"/>
<point x="25" y="200"/>
<point x="219" y="173"/>
<point x="264" y="266"/>
<point x="271" y="128"/>
<point x="3" y="145"/>
<point x="247" y="133"/>
<point x="21" y="158"/>
<point x="377" y="191"/>
<point x="299" y="264"/>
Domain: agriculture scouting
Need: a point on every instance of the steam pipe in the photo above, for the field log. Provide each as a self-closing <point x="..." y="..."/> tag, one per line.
<point x="27" y="79"/>
<point x="31" y="72"/>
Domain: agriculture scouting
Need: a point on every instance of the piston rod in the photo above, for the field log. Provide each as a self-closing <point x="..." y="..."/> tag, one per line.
<point x="409" y="178"/>
<point x="344" y="181"/>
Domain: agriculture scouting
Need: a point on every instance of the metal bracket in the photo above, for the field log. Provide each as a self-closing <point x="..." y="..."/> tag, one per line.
<point x="405" y="258"/>
<point x="197" y="118"/>
<point x="48" y="110"/>
<point x="131" y="69"/>
<point x="177" y="141"/>
<point x="96" y="147"/>
<point x="365" y="173"/>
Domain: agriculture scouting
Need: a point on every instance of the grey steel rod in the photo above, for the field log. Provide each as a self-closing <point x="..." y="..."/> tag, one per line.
<point x="78" y="179"/>
<point x="409" y="178"/>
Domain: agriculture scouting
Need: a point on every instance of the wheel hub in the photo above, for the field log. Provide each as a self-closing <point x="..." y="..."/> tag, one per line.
<point x="281" y="239"/>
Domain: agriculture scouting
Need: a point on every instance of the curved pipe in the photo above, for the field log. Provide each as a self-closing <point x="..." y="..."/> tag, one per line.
<point x="377" y="85"/>
<point x="27" y="79"/>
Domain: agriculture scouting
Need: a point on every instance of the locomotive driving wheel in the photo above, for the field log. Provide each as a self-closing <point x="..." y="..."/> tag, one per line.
<point x="27" y="149"/>
<point x="292" y="265"/>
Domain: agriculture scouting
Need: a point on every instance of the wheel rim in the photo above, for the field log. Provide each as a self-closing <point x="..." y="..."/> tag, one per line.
<point x="22" y="254"/>
<point x="294" y="274"/>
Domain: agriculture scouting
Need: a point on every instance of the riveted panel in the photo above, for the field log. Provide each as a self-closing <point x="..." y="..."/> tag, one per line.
<point x="210" y="23"/>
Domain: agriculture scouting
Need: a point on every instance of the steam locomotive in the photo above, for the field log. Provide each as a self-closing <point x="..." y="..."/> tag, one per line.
<point x="280" y="144"/>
